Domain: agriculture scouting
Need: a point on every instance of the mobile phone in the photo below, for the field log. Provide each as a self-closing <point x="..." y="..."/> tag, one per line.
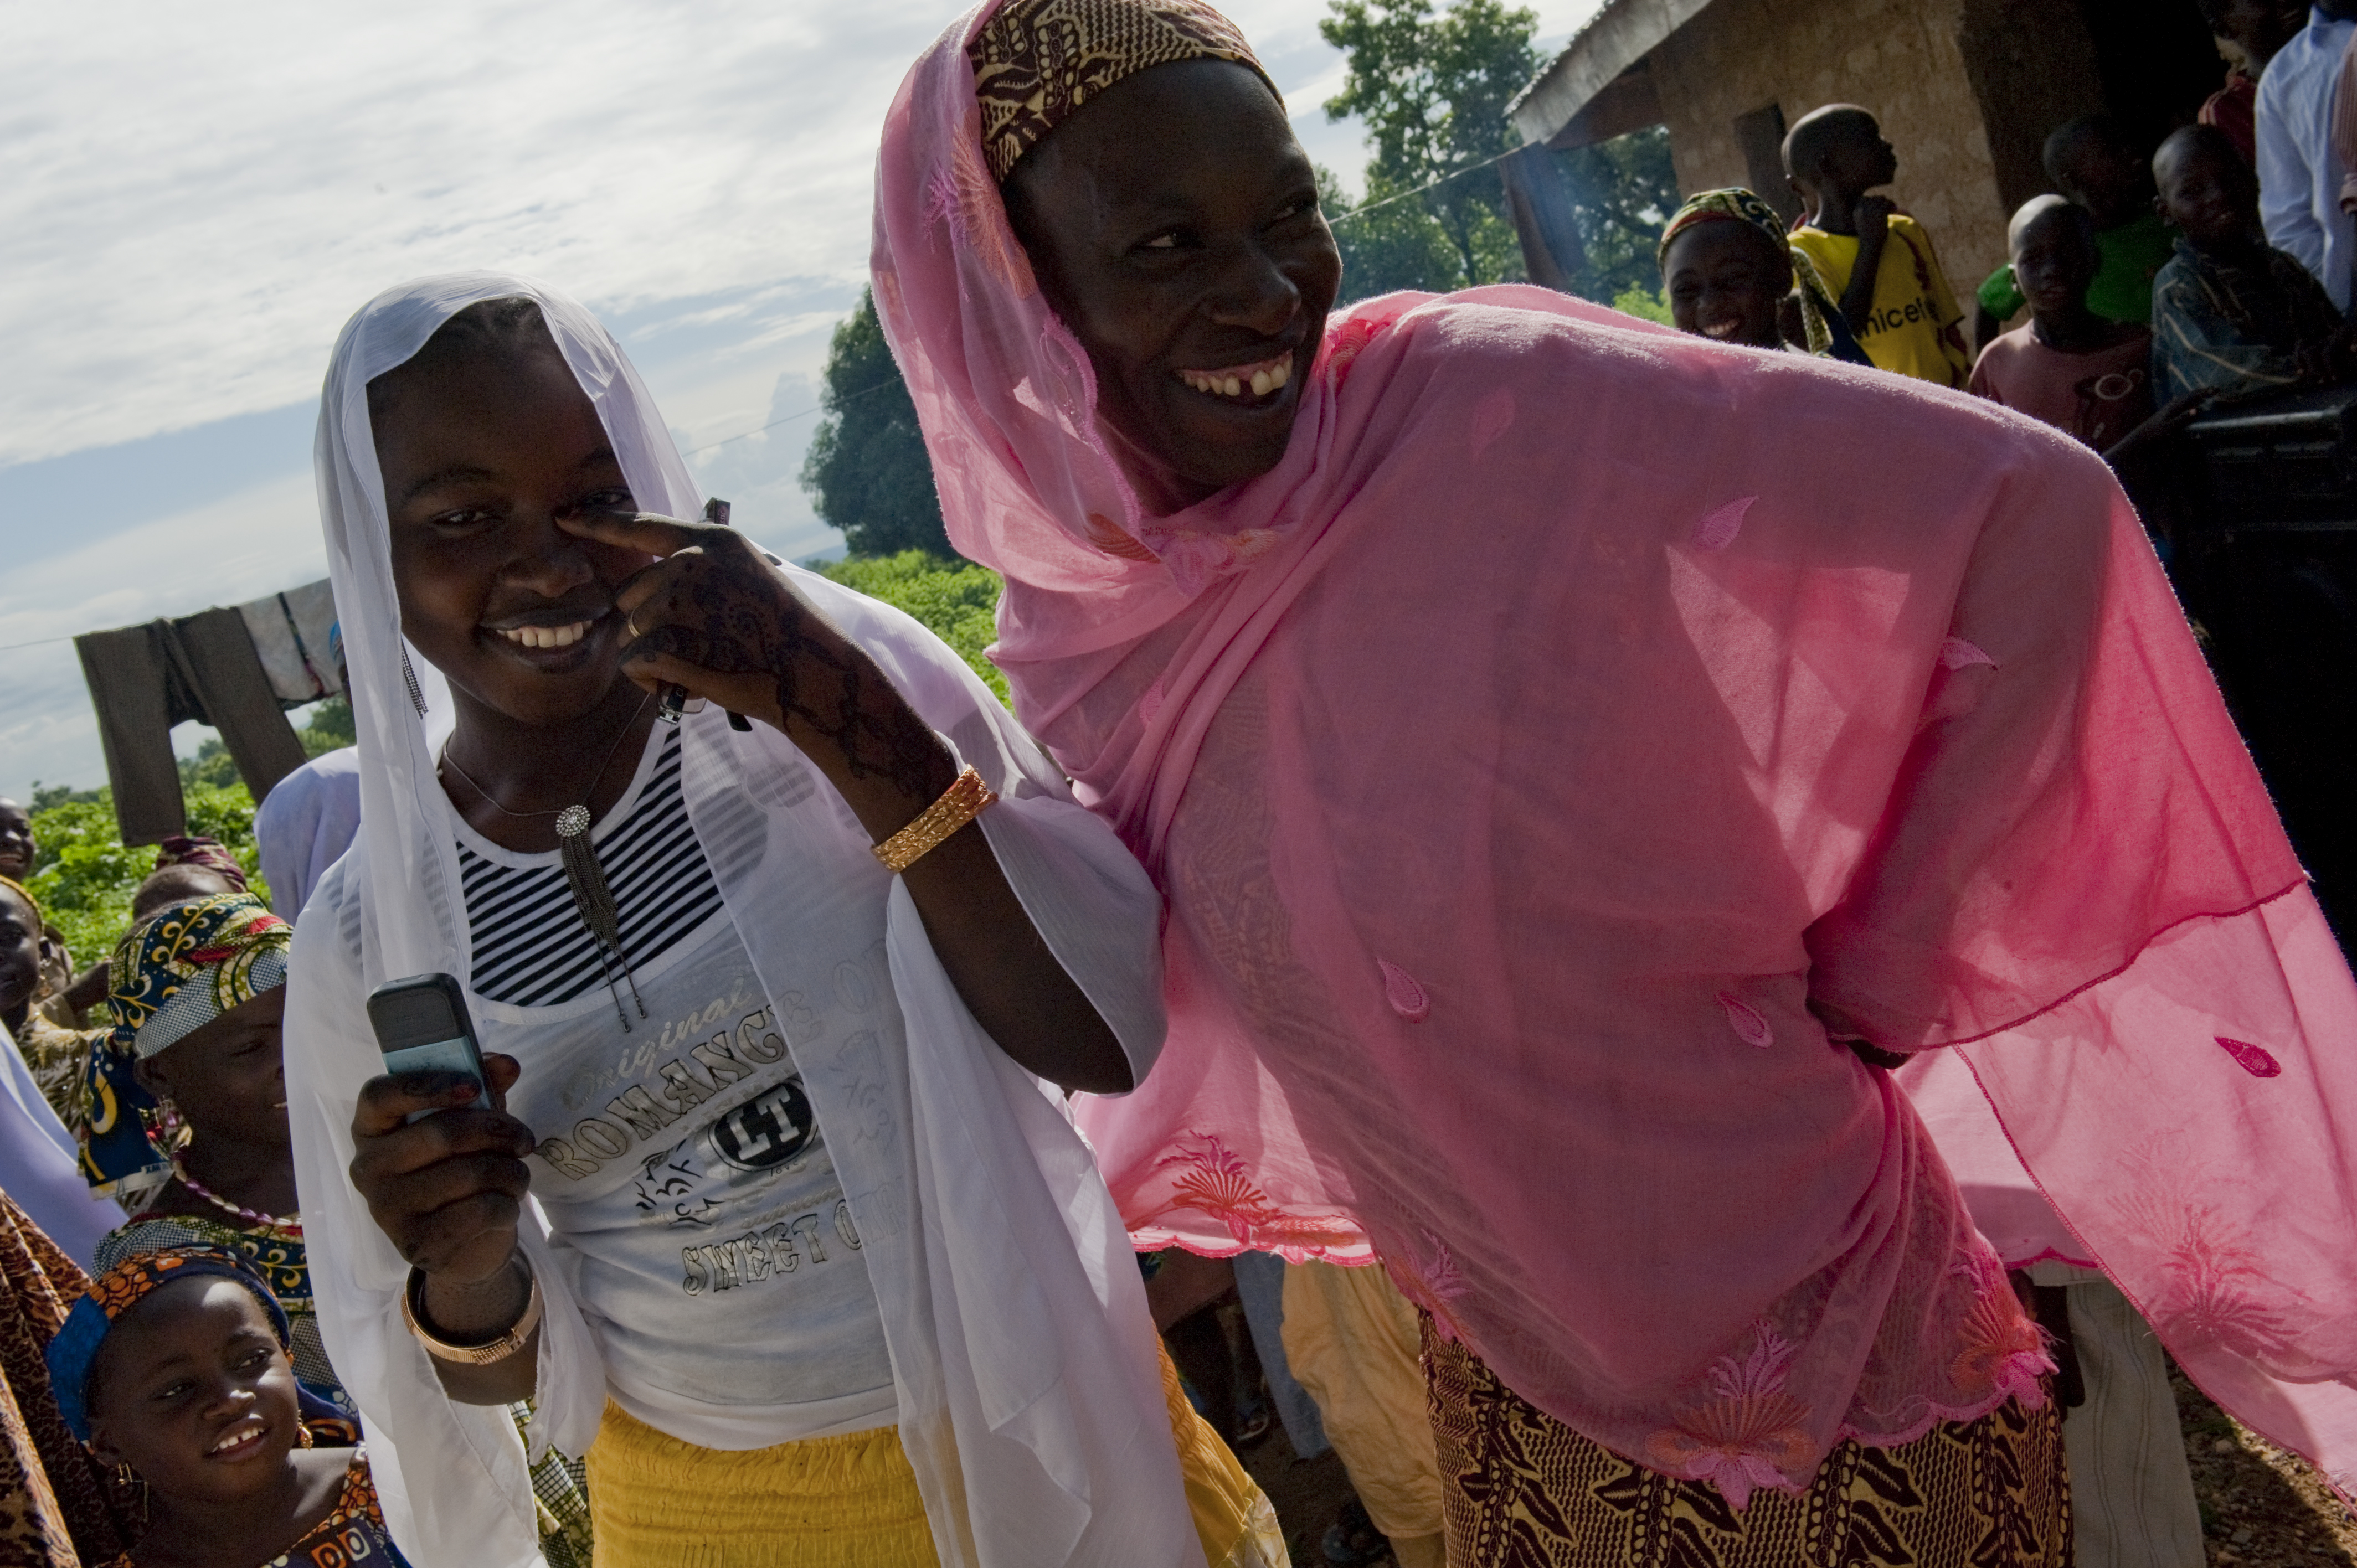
<point x="421" y="1026"/>
<point x="674" y="699"/>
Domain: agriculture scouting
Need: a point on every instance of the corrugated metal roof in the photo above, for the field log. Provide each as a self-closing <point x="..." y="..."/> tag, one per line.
<point x="1620" y="37"/>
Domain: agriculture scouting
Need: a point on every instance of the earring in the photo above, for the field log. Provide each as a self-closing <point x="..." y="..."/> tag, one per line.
<point x="409" y="677"/>
<point x="302" y="1435"/>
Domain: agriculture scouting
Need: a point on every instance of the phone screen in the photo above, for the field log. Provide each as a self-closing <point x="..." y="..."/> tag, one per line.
<point x="421" y="1026"/>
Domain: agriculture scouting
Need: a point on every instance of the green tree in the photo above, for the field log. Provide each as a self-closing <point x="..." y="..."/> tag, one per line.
<point x="330" y="727"/>
<point x="1432" y="89"/>
<point x="866" y="471"/>
<point x="1622" y="193"/>
<point x="954" y="600"/>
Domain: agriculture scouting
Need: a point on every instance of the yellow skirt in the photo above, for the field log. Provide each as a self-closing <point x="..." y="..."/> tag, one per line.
<point x="824" y="1502"/>
<point x="851" y="1501"/>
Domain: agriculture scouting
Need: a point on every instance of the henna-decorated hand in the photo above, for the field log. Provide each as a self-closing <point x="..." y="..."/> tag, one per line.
<point x="714" y="617"/>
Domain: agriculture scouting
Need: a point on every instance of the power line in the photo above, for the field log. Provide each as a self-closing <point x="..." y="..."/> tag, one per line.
<point x="789" y="419"/>
<point x="1419" y="190"/>
<point x="37" y="642"/>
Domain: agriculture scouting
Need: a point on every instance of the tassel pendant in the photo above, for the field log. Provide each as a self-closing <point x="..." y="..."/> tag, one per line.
<point x="594" y="899"/>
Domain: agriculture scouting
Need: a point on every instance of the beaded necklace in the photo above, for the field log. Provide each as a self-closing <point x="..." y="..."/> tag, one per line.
<point x="292" y="1225"/>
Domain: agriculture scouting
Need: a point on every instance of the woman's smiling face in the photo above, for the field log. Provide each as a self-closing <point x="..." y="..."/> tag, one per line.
<point x="1174" y="227"/>
<point x="482" y="449"/>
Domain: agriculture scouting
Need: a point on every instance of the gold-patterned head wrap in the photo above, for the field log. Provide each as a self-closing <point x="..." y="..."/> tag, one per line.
<point x="1036" y="61"/>
<point x="190" y="964"/>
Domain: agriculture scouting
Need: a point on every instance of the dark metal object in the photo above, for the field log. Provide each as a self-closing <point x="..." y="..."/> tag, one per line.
<point x="2267" y="565"/>
<point x="2288" y="465"/>
<point x="671" y="699"/>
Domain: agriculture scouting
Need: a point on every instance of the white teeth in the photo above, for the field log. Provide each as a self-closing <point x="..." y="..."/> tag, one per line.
<point x="547" y="636"/>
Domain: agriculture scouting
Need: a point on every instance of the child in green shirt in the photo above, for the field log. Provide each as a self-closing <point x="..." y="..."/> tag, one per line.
<point x="2096" y="164"/>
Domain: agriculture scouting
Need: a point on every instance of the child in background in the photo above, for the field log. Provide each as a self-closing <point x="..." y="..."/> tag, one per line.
<point x="1728" y="276"/>
<point x="2094" y="162"/>
<point x="199" y="1000"/>
<point x="2068" y="366"/>
<point x="196" y="1004"/>
<point x="1892" y="290"/>
<point x="2229" y="311"/>
<point x="175" y="1364"/>
<point x="126" y="1131"/>
<point x="2248" y="35"/>
<point x="63" y="995"/>
<point x="58" y="1057"/>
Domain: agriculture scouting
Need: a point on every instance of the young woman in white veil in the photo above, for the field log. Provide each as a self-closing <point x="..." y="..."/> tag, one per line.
<point x="779" y="1187"/>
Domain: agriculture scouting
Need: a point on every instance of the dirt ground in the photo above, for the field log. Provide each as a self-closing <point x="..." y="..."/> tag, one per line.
<point x="1307" y="1493"/>
<point x="2261" y="1508"/>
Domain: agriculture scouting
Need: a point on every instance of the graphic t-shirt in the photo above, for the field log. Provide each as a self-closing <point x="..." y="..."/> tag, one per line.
<point x="1915" y="327"/>
<point x="679" y="1159"/>
<point x="2097" y="397"/>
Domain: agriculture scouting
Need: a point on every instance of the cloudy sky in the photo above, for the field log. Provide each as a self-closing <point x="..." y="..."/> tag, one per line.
<point x="198" y="196"/>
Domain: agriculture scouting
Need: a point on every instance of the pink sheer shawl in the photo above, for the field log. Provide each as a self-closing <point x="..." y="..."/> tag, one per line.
<point x="1576" y="717"/>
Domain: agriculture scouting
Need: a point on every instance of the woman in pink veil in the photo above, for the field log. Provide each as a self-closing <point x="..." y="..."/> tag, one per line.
<point x="1580" y="761"/>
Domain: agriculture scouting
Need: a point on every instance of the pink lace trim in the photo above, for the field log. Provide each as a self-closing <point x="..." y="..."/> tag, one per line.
<point x="1212" y="1181"/>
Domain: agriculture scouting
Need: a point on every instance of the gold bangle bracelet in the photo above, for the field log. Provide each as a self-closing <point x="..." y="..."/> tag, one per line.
<point x="960" y="804"/>
<point x="499" y="1350"/>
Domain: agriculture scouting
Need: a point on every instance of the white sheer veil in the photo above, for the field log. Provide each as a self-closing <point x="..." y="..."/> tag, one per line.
<point x="1031" y="1407"/>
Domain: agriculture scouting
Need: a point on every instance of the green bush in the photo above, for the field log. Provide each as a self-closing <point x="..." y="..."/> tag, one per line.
<point x="953" y="599"/>
<point x="85" y="875"/>
<point x="1645" y="304"/>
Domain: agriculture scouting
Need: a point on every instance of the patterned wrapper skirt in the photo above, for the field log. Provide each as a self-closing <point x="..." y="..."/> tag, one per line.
<point x="1519" y="1490"/>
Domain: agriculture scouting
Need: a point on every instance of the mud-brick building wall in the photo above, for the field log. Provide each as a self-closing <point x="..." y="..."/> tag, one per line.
<point x="1922" y="66"/>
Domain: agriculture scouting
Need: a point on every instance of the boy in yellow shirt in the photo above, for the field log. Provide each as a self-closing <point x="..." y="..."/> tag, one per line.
<point x="1893" y="293"/>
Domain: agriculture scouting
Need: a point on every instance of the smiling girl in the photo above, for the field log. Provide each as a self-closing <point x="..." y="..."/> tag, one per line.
<point x="777" y="1207"/>
<point x="175" y="1364"/>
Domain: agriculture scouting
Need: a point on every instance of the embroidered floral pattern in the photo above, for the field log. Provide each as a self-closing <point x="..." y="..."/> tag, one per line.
<point x="2215" y="1291"/>
<point x="2003" y="1352"/>
<point x="1213" y="1181"/>
<point x="1430" y="1280"/>
<point x="1750" y="1433"/>
<point x="1107" y="536"/>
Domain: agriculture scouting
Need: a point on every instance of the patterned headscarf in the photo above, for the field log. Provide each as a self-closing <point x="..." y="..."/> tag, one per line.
<point x="74" y="1350"/>
<point x="1036" y="61"/>
<point x="190" y="964"/>
<point x="1738" y="205"/>
<point x="198" y="850"/>
<point x="40" y="920"/>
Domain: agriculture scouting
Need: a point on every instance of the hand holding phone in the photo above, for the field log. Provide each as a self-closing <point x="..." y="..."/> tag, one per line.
<point x="436" y="1157"/>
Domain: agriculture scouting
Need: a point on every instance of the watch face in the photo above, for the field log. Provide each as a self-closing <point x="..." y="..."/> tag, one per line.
<point x="768" y="1132"/>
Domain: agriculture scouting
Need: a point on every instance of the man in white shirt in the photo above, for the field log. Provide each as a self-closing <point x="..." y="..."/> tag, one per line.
<point x="2300" y="175"/>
